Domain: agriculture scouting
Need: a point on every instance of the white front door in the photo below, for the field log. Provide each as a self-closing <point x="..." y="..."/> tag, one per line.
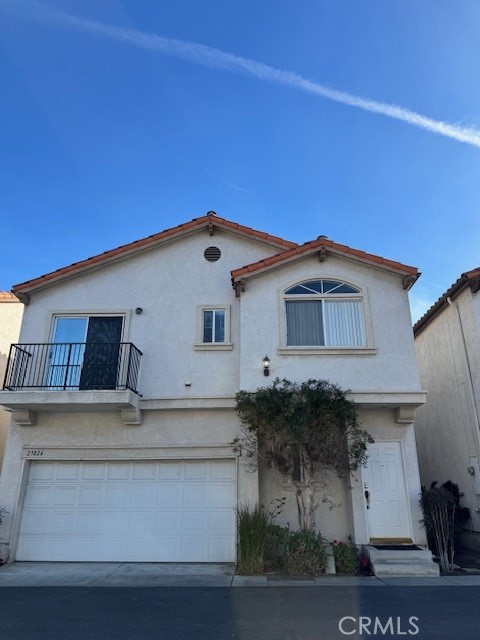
<point x="385" y="491"/>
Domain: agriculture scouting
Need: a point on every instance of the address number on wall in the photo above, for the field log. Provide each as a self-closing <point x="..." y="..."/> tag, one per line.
<point x="34" y="453"/>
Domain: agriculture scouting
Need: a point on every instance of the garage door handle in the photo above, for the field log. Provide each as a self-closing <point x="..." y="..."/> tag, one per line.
<point x="367" y="498"/>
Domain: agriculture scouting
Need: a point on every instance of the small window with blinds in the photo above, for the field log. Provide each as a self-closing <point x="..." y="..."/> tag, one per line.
<point x="324" y="313"/>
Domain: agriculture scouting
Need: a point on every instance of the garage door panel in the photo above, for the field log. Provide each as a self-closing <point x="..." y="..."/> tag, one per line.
<point x="167" y="521"/>
<point x="119" y="470"/>
<point x="67" y="471"/>
<point x="112" y="548"/>
<point x="82" y="546"/>
<point x="43" y="471"/>
<point x="196" y="470"/>
<point x="141" y="522"/>
<point x="117" y="495"/>
<point x="145" y="470"/>
<point x="141" y="548"/>
<point x="93" y="471"/>
<point x="169" y="495"/>
<point x="153" y="511"/>
<point x="59" y="547"/>
<point x="91" y="495"/>
<point x="166" y="549"/>
<point x="194" y="522"/>
<point x="31" y="547"/>
<point x="114" y="521"/>
<point x="171" y="469"/>
<point x="39" y="496"/>
<point x="192" y="548"/>
<point x="62" y="521"/>
<point x="222" y="495"/>
<point x="221" y="522"/>
<point x="144" y="495"/>
<point x="220" y="548"/>
<point x="34" y="522"/>
<point x="65" y="496"/>
<point x="222" y="470"/>
<point x="88" y="522"/>
<point x="195" y="495"/>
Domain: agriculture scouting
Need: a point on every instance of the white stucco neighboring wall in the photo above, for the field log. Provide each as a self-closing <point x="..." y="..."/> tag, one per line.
<point x="447" y="427"/>
<point x="10" y="320"/>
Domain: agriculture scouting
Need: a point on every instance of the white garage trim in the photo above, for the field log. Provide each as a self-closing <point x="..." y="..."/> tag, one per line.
<point x="175" y="510"/>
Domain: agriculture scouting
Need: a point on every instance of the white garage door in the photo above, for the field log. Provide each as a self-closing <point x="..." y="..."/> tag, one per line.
<point x="142" y="511"/>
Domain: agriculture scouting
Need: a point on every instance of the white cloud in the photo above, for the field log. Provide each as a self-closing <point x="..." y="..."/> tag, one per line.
<point x="216" y="58"/>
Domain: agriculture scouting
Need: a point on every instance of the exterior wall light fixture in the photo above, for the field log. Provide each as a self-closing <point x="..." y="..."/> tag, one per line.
<point x="138" y="310"/>
<point x="266" y="366"/>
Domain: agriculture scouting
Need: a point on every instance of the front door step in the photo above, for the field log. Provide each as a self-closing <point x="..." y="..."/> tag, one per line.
<point x="398" y="561"/>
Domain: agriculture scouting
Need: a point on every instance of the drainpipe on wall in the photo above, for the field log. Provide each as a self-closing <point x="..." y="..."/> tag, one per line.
<point x="474" y="403"/>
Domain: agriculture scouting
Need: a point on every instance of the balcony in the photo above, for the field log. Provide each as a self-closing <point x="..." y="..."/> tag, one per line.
<point x="72" y="376"/>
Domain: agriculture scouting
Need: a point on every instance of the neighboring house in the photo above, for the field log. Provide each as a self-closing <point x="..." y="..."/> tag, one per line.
<point x="447" y="340"/>
<point x="123" y="392"/>
<point x="11" y="310"/>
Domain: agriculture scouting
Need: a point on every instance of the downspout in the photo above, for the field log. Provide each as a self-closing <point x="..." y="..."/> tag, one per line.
<point x="472" y="389"/>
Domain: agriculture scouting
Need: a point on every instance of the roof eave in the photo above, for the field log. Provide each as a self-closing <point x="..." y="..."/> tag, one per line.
<point x="207" y="222"/>
<point x="469" y="279"/>
<point x="411" y="273"/>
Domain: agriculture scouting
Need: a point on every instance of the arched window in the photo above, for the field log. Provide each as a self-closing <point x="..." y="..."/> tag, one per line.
<point x="324" y="313"/>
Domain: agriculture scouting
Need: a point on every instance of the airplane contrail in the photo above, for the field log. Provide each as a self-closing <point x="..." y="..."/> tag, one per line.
<point x="218" y="59"/>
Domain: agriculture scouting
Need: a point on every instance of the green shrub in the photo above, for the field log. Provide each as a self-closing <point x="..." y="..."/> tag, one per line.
<point x="276" y="548"/>
<point x="347" y="559"/>
<point x="295" y="552"/>
<point x="305" y="553"/>
<point x="253" y="525"/>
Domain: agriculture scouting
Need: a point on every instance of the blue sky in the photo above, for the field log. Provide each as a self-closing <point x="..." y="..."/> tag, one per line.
<point x="104" y="141"/>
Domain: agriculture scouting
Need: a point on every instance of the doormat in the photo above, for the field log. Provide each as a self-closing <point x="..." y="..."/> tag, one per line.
<point x="396" y="547"/>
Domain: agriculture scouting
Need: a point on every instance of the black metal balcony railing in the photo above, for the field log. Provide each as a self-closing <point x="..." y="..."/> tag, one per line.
<point x="73" y="365"/>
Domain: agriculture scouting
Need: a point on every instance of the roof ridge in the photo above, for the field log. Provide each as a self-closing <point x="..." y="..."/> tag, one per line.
<point x="210" y="218"/>
<point x="318" y="243"/>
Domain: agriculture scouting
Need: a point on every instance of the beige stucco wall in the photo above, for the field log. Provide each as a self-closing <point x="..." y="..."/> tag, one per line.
<point x="86" y="436"/>
<point x="168" y="283"/>
<point x="10" y="321"/>
<point x="348" y="517"/>
<point x="448" y="439"/>
<point x="392" y="368"/>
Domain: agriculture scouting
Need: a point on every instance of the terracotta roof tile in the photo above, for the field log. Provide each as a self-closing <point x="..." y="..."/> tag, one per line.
<point x="316" y="244"/>
<point x="456" y="288"/>
<point x="8" y="296"/>
<point x="151" y="240"/>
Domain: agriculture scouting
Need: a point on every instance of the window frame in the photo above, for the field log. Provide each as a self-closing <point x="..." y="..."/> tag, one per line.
<point x="285" y="349"/>
<point x="199" y="344"/>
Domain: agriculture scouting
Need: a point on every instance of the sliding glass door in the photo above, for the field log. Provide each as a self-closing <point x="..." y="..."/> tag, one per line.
<point x="85" y="352"/>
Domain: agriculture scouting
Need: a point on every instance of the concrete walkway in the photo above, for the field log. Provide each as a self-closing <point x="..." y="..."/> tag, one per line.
<point x="117" y="574"/>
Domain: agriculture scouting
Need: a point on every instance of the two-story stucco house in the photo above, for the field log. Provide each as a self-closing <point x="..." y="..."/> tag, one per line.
<point x="447" y="340"/>
<point x="123" y="384"/>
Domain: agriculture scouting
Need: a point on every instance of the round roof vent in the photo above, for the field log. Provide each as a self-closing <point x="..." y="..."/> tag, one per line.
<point x="212" y="254"/>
